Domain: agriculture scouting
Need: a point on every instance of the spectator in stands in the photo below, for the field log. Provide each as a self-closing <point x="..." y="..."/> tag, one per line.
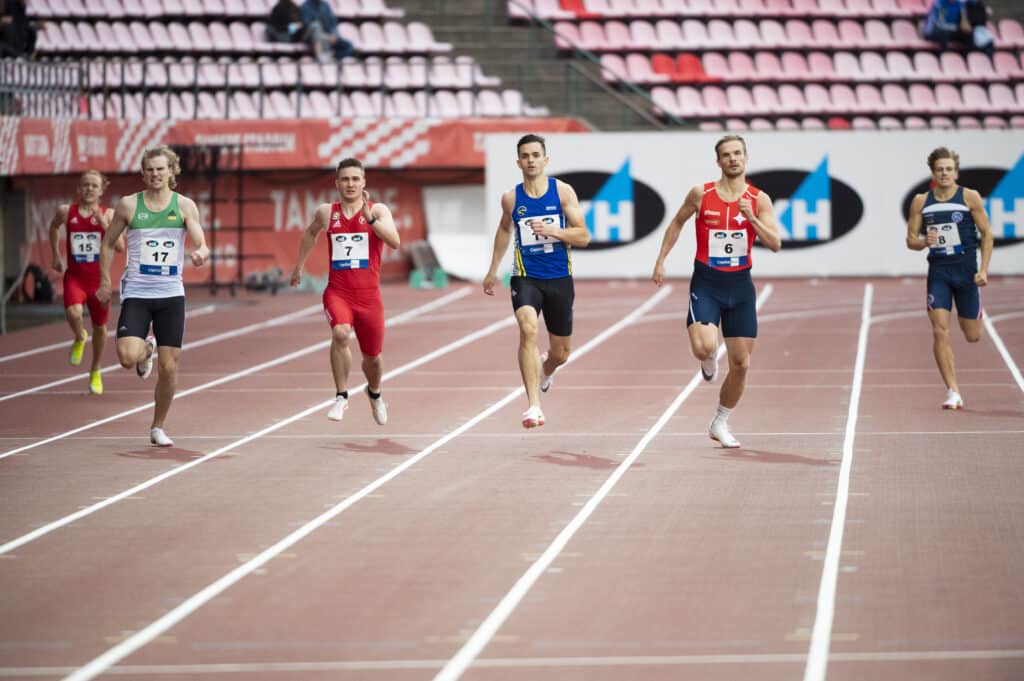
<point x="318" y="15"/>
<point x="17" y="34"/>
<point x="977" y="17"/>
<point x="284" y="25"/>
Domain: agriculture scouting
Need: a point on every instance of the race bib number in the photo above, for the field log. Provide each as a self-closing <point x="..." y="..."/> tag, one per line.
<point x="727" y="247"/>
<point x="350" y="251"/>
<point x="85" y="246"/>
<point x="532" y="243"/>
<point x="948" y="239"/>
<point x="160" y="257"/>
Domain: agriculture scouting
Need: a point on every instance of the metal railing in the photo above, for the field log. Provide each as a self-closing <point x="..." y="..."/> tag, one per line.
<point x="41" y="89"/>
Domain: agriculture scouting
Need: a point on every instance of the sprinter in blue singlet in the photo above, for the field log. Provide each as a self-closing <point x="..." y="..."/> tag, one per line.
<point x="950" y="221"/>
<point x="544" y="217"/>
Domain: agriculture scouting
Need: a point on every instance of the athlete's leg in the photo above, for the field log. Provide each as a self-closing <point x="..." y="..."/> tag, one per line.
<point x="75" y="321"/>
<point x="972" y="329"/>
<point x="132" y="329"/>
<point x="703" y="340"/>
<point x="341" y="356"/>
<point x="166" y="383"/>
<point x="738" y="349"/>
<point x="529" y="360"/>
<point x="558" y="353"/>
<point x="99" y="341"/>
<point x="941" y="348"/>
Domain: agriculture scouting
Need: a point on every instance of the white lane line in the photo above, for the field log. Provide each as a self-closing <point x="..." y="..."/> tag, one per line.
<point x="523" y="662"/>
<point x="465" y="656"/>
<point x="1008" y="315"/>
<point x="398" y="319"/>
<point x="821" y="634"/>
<point x="1007" y="357"/>
<point x="88" y="510"/>
<point x="142" y="637"/>
<point x="277" y="321"/>
<point x="197" y="312"/>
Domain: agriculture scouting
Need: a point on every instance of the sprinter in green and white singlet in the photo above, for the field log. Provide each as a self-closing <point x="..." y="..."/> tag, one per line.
<point x="156" y="253"/>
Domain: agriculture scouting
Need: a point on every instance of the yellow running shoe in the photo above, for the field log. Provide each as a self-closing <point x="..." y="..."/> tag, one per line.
<point x="95" y="383"/>
<point x="77" y="348"/>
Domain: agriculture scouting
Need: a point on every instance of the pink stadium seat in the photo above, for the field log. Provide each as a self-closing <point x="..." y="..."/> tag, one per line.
<point x="747" y="35"/>
<point x="442" y="74"/>
<point x="1002" y="98"/>
<point x="201" y="41"/>
<point x="779" y="8"/>
<point x="212" y="74"/>
<point x="371" y="39"/>
<point x="800" y="34"/>
<point x="613" y="68"/>
<point x="741" y="66"/>
<point x="108" y="38"/>
<point x="740" y="101"/>
<point x="844" y="101"/>
<point x="906" y="37"/>
<point x="710" y="126"/>
<point x="847" y="66"/>
<point x="354" y="75"/>
<point x="270" y="74"/>
<point x="664" y="99"/>
<point x="834" y="8"/>
<point x="259" y="8"/>
<point x="826" y="34"/>
<point x="379" y="8"/>
<point x="941" y="123"/>
<point x="761" y="124"/>
<point x="154" y="106"/>
<point x="818" y="100"/>
<point x="862" y="123"/>
<point x="567" y="36"/>
<point x="405" y="105"/>
<point x="618" y="36"/>
<point x="643" y="36"/>
<point x="245" y="73"/>
<point x="792" y="100"/>
<point x="215" y="8"/>
<point x="795" y="67"/>
<point x="786" y="123"/>
<point x="691" y="103"/>
<point x="994" y="123"/>
<point x="773" y="35"/>
<point x="806" y="8"/>
<point x="821" y="66"/>
<point x="182" y="73"/>
<point x="811" y="123"/>
<point x="551" y="10"/>
<point x="519" y="10"/>
<point x="720" y="34"/>
<point x="695" y="34"/>
<point x="183" y="106"/>
<point x="716" y="103"/>
<point x="1017" y="122"/>
<point x="876" y="35"/>
<point x="241" y="37"/>
<point x="211" y="105"/>
<point x="670" y="34"/>
<point x="768" y="66"/>
<point x="1018" y="90"/>
<point x="980" y="67"/>
<point x="766" y="100"/>
<point x="422" y="38"/>
<point x="193" y="8"/>
<point x="869" y="97"/>
<point x="87" y="36"/>
<point x="926" y="67"/>
<point x="444" y="104"/>
<point x="241" y="106"/>
<point x="953" y="67"/>
<point x="638" y="70"/>
<point x="861" y="8"/>
<point x="889" y="123"/>
<point x="923" y="100"/>
<point x="489" y="103"/>
<point x="899" y="66"/>
<point x="156" y="74"/>
<point x="915" y="123"/>
<point x="916" y="8"/>
<point x="873" y="67"/>
<point x="374" y="69"/>
<point x="716" y="66"/>
<point x="974" y="97"/>
<point x="315" y="105"/>
<point x="220" y="36"/>
<point x="1010" y="33"/>
<point x="111" y="9"/>
<point x="658" y="8"/>
<point x="851" y="35"/>
<point x="592" y="36"/>
<point x="890" y="8"/>
<point x="397" y="41"/>
<point x="753" y="8"/>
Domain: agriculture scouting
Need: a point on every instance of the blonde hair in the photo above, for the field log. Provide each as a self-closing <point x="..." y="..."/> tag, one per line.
<point x="173" y="162"/>
<point x="104" y="182"/>
<point x="941" y="153"/>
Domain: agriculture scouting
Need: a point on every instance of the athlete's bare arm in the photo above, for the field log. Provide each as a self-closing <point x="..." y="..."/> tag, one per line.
<point x="690" y="205"/>
<point x="977" y="206"/>
<point x="106" y="218"/>
<point x="576" y="233"/>
<point x="59" y="218"/>
<point x="383" y="222"/>
<point x="914" y="240"/>
<point x="122" y="216"/>
<point x="501" y="240"/>
<point x="317" y="225"/>
<point x="764" y="223"/>
<point x="190" y="214"/>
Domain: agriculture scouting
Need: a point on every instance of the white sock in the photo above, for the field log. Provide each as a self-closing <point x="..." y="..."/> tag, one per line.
<point x="722" y="414"/>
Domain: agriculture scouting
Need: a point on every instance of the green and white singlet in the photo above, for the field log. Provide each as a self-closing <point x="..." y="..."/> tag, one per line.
<point x="156" y="252"/>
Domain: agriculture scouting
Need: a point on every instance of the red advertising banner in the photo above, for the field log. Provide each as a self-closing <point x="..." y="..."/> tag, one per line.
<point x="38" y="146"/>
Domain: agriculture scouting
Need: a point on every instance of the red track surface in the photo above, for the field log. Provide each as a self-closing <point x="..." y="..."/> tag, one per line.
<point x="701" y="563"/>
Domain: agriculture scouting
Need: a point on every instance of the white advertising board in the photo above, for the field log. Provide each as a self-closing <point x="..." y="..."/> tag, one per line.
<point x="840" y="197"/>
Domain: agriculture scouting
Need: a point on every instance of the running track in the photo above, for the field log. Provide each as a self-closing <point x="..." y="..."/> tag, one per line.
<point x="860" y="533"/>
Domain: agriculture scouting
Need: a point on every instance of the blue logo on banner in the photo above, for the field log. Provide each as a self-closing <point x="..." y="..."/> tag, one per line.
<point x="610" y="215"/>
<point x="807" y="215"/>
<point x="1005" y="205"/>
<point x="618" y="209"/>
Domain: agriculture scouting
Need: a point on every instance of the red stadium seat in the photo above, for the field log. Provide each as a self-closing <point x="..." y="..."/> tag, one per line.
<point x="689" y="69"/>
<point x="664" y="66"/>
<point x="638" y="69"/>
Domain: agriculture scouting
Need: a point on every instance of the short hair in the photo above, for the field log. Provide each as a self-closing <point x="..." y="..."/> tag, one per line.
<point x="349" y="163"/>
<point x="730" y="138"/>
<point x="530" y="139"/>
<point x="173" y="162"/>
<point x="104" y="182"/>
<point x="941" y="153"/>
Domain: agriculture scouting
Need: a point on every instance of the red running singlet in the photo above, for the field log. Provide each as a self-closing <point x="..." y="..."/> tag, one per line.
<point x="353" y="251"/>
<point x="724" y="237"/>
<point x="84" y="238"/>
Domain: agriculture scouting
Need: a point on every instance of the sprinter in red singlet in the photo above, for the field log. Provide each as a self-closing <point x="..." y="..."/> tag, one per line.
<point x="730" y="214"/>
<point x="356" y="233"/>
<point x="85" y="224"/>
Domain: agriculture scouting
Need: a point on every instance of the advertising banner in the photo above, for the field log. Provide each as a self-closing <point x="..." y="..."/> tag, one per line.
<point x="841" y="199"/>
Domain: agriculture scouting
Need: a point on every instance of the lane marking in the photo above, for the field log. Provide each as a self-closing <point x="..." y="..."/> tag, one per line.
<point x="523" y="662"/>
<point x="160" y="626"/>
<point x="89" y="510"/>
<point x="465" y="656"/>
<point x="197" y="312"/>
<point x="821" y="634"/>
<point x="277" y="321"/>
<point x="1005" y="316"/>
<point x="1007" y="357"/>
<point x="398" y="319"/>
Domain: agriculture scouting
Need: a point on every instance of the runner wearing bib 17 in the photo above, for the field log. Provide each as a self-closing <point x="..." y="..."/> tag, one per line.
<point x="357" y="231"/>
<point x="155" y="222"/>
<point x="948" y="220"/>
<point x="731" y="214"/>
<point x="84" y="224"/>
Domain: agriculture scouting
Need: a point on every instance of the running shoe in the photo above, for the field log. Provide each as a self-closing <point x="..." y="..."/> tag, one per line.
<point x="545" y="380"/>
<point x="953" y="400"/>
<point x="337" y="411"/>
<point x="145" y="367"/>
<point x="719" y="432"/>
<point x="379" y="409"/>
<point x="709" y="368"/>
<point x="533" y="417"/>
<point x="77" y="348"/>
<point x="158" y="437"/>
<point x="95" y="383"/>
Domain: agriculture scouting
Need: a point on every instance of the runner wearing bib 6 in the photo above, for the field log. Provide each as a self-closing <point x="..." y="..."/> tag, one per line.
<point x="85" y="224"/>
<point x="730" y="214"/>
<point x="948" y="220"/>
<point x="155" y="222"/>
<point x="357" y="231"/>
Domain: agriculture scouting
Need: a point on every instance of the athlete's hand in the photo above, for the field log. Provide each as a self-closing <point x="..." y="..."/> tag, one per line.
<point x="200" y="256"/>
<point x="367" y="215"/>
<point x="542" y="230"/>
<point x="932" y="237"/>
<point x="296" y="277"/>
<point x="58" y="265"/>
<point x="103" y="293"/>
<point x="658" y="277"/>
<point x="981" y="278"/>
<point x="489" y="281"/>
<point x="746" y="208"/>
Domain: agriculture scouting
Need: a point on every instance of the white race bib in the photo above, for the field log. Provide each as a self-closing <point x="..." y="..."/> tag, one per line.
<point x="534" y="243"/>
<point x="949" y="239"/>
<point x="85" y="246"/>
<point x="350" y="250"/>
<point x="727" y="247"/>
<point x="160" y="256"/>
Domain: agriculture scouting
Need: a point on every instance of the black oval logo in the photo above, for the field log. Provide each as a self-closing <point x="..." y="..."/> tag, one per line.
<point x="984" y="180"/>
<point x="799" y="229"/>
<point x="648" y="210"/>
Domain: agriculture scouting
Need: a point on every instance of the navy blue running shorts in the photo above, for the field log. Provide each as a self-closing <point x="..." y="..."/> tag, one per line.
<point x="726" y="297"/>
<point x="955" y="282"/>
